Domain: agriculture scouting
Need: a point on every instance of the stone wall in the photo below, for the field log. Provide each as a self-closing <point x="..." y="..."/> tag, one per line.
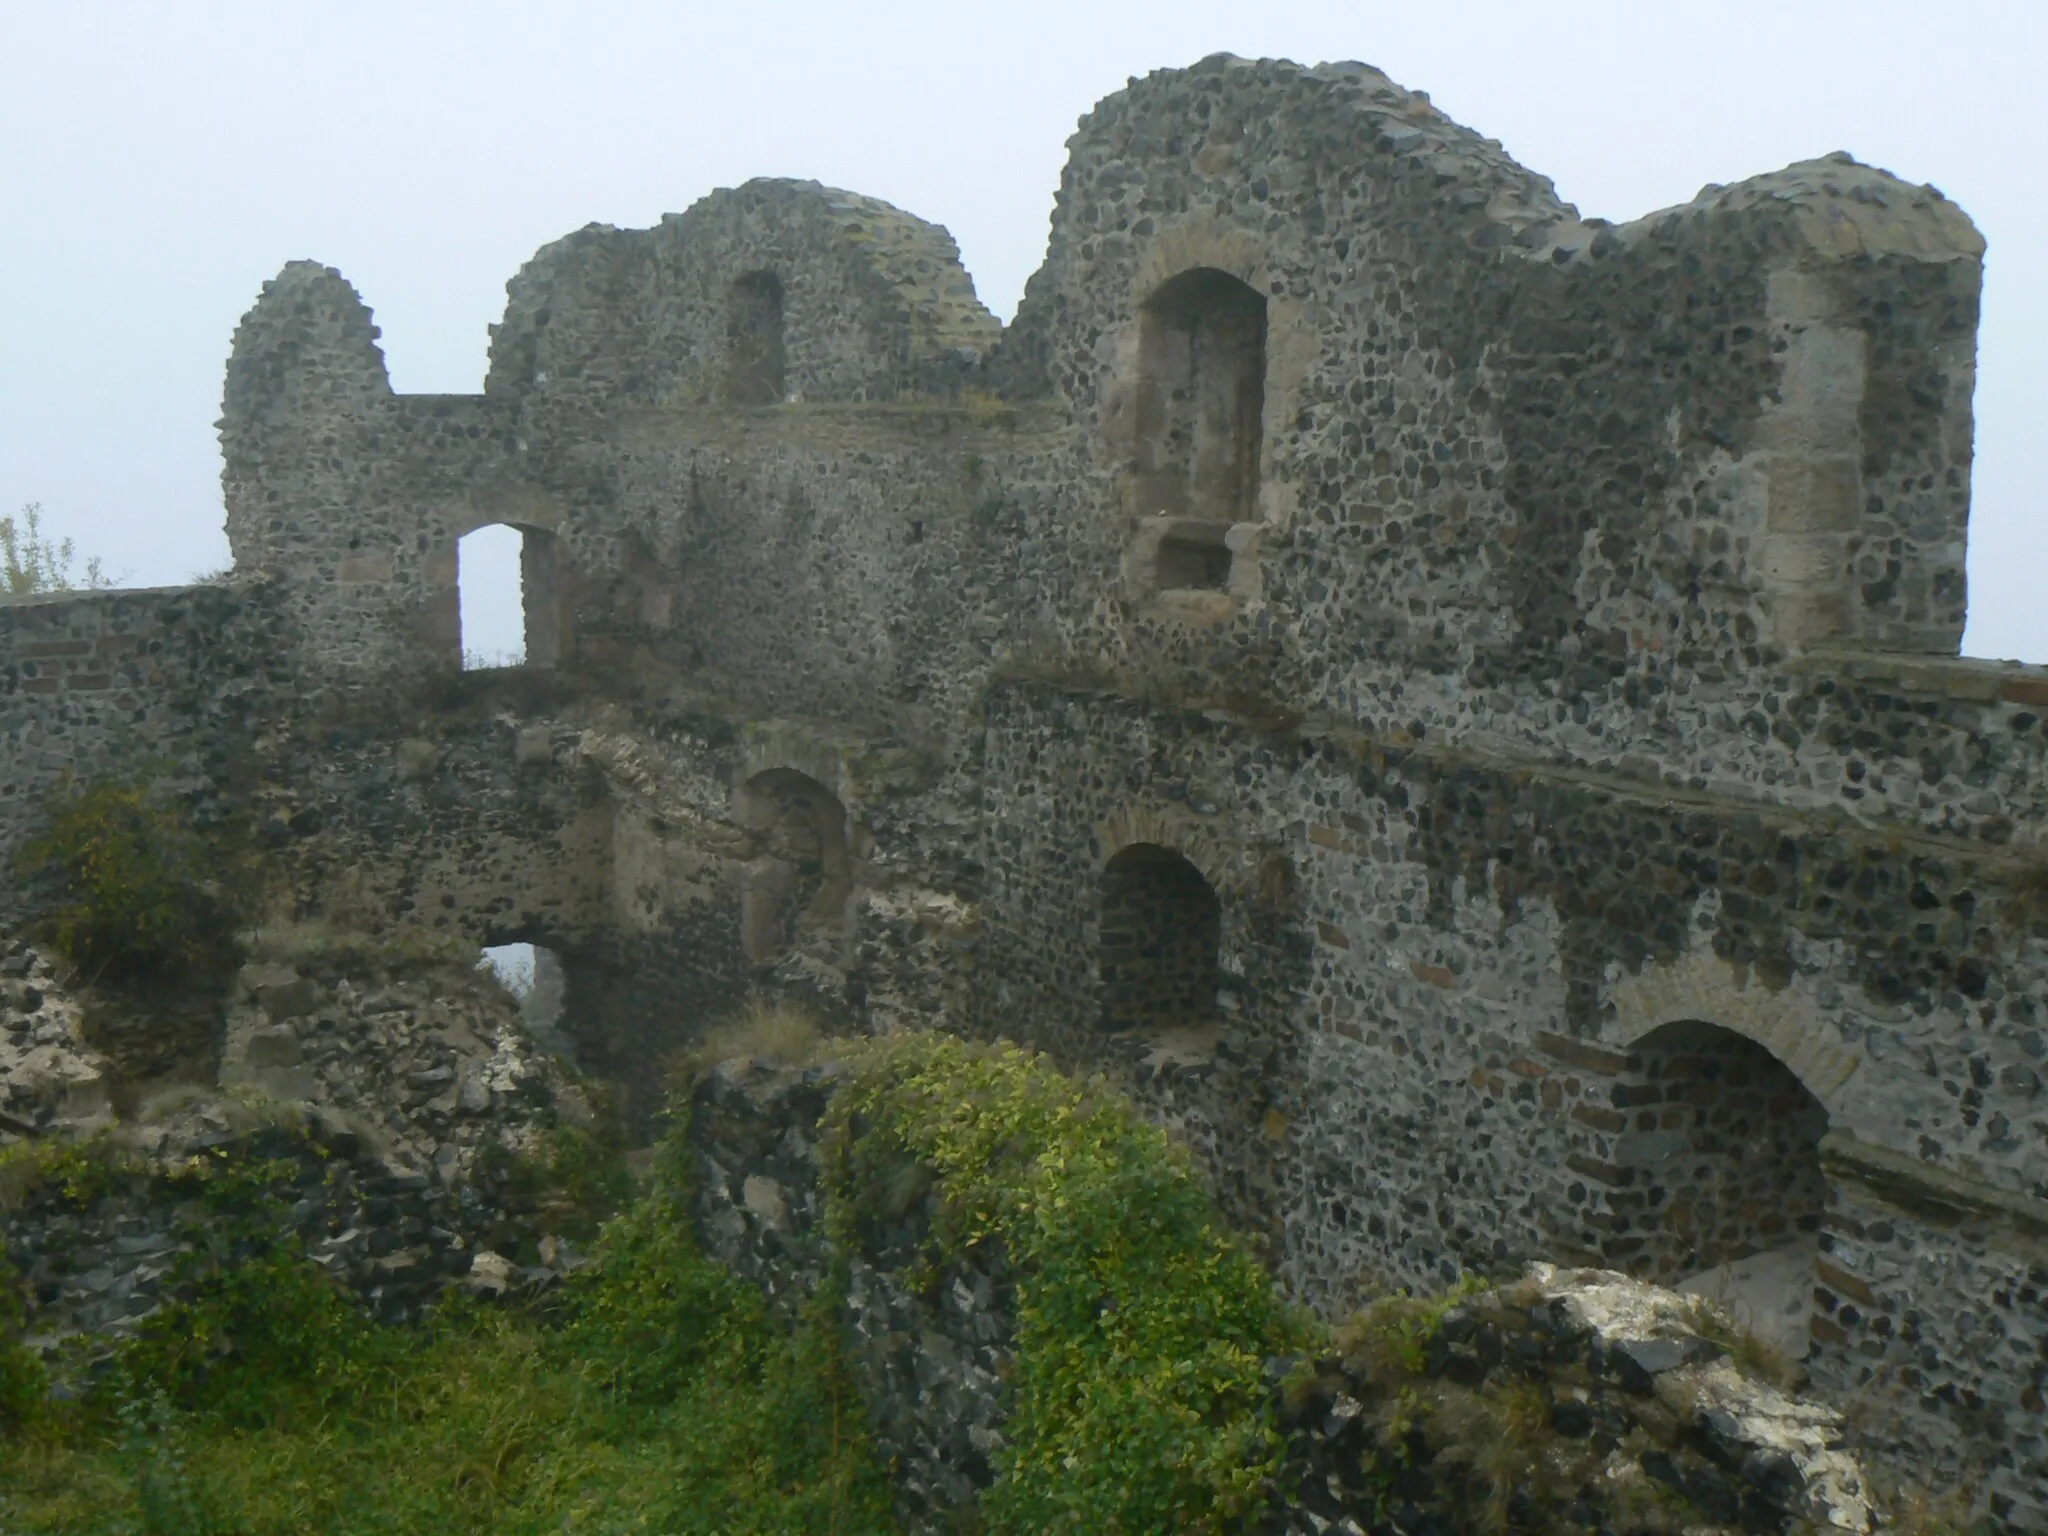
<point x="390" y="1092"/>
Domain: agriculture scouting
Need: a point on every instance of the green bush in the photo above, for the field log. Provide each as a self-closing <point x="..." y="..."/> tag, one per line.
<point x="1142" y="1326"/>
<point x="79" y="1171"/>
<point x="573" y="1177"/>
<point x="135" y="892"/>
<point x="263" y="1336"/>
<point x="22" y="1378"/>
<point x="653" y="1395"/>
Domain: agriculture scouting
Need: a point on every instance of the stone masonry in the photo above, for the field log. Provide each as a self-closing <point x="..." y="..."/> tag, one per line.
<point x="1454" y="701"/>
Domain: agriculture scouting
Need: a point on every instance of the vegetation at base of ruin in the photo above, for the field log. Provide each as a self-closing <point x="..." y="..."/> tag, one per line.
<point x="1502" y="1436"/>
<point x="1142" y="1326"/>
<point x="135" y="895"/>
<point x="24" y="1383"/>
<point x="1757" y="1357"/>
<point x="1520" y="1473"/>
<point x="653" y="1393"/>
<point x="32" y="562"/>
<point x="573" y="1178"/>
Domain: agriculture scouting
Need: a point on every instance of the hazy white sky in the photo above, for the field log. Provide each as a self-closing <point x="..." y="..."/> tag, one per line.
<point x="159" y="162"/>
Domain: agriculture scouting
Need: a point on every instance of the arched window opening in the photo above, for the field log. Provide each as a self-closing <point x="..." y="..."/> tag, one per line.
<point x="533" y="974"/>
<point x="794" y="895"/>
<point x="756" y="360"/>
<point x="507" y="596"/>
<point x="1201" y="403"/>
<point x="1722" y="1154"/>
<point x="1161" y="929"/>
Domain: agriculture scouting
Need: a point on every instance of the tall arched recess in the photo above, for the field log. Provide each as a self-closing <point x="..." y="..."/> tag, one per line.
<point x="756" y="351"/>
<point x="795" y="893"/>
<point x="1722" y="1157"/>
<point x="1160" y="930"/>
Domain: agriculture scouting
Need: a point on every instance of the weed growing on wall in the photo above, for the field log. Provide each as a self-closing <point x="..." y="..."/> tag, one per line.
<point x="33" y="562"/>
<point x="79" y="1171"/>
<point x="1142" y="1327"/>
<point x="135" y="893"/>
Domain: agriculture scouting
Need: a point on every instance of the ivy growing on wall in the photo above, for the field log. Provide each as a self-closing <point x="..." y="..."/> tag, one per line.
<point x="134" y="893"/>
<point x="1142" y="1326"/>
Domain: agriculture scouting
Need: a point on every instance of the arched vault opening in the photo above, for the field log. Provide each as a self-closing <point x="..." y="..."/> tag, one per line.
<point x="1725" y="1195"/>
<point x="796" y="892"/>
<point x="1161" y="926"/>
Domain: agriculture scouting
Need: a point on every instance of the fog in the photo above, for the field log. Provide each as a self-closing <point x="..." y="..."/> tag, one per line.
<point x="162" y="162"/>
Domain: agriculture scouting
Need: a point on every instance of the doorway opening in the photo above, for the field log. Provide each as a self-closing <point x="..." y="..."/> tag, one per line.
<point x="1723" y="1146"/>
<point x="533" y="974"/>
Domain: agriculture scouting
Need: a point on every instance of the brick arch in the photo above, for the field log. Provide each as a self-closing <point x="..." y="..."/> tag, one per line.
<point x="1703" y="987"/>
<point x="1715" y="1181"/>
<point x="1224" y="865"/>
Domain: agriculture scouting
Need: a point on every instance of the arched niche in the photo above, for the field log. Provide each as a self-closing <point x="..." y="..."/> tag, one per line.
<point x="795" y="893"/>
<point x="1723" y="1193"/>
<point x="1159" y="933"/>
<point x="756" y="351"/>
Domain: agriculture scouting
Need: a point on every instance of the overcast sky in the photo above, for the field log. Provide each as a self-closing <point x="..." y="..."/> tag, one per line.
<point x="159" y="161"/>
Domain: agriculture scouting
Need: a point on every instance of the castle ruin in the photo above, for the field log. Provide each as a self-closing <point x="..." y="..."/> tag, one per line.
<point x="1457" y="704"/>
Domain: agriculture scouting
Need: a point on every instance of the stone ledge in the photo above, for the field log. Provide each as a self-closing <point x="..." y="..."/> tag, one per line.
<point x="1934" y="1194"/>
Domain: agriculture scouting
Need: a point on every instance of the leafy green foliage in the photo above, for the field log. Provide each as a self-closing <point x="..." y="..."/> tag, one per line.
<point x="22" y="1378"/>
<point x="574" y="1178"/>
<point x="1142" y="1326"/>
<point x="32" y="562"/>
<point x="654" y="1395"/>
<point x="256" y="1340"/>
<point x="136" y="891"/>
<point x="79" y="1172"/>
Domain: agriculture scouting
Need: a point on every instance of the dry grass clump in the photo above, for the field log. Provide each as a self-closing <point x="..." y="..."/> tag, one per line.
<point x="1754" y="1356"/>
<point x="766" y="1029"/>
